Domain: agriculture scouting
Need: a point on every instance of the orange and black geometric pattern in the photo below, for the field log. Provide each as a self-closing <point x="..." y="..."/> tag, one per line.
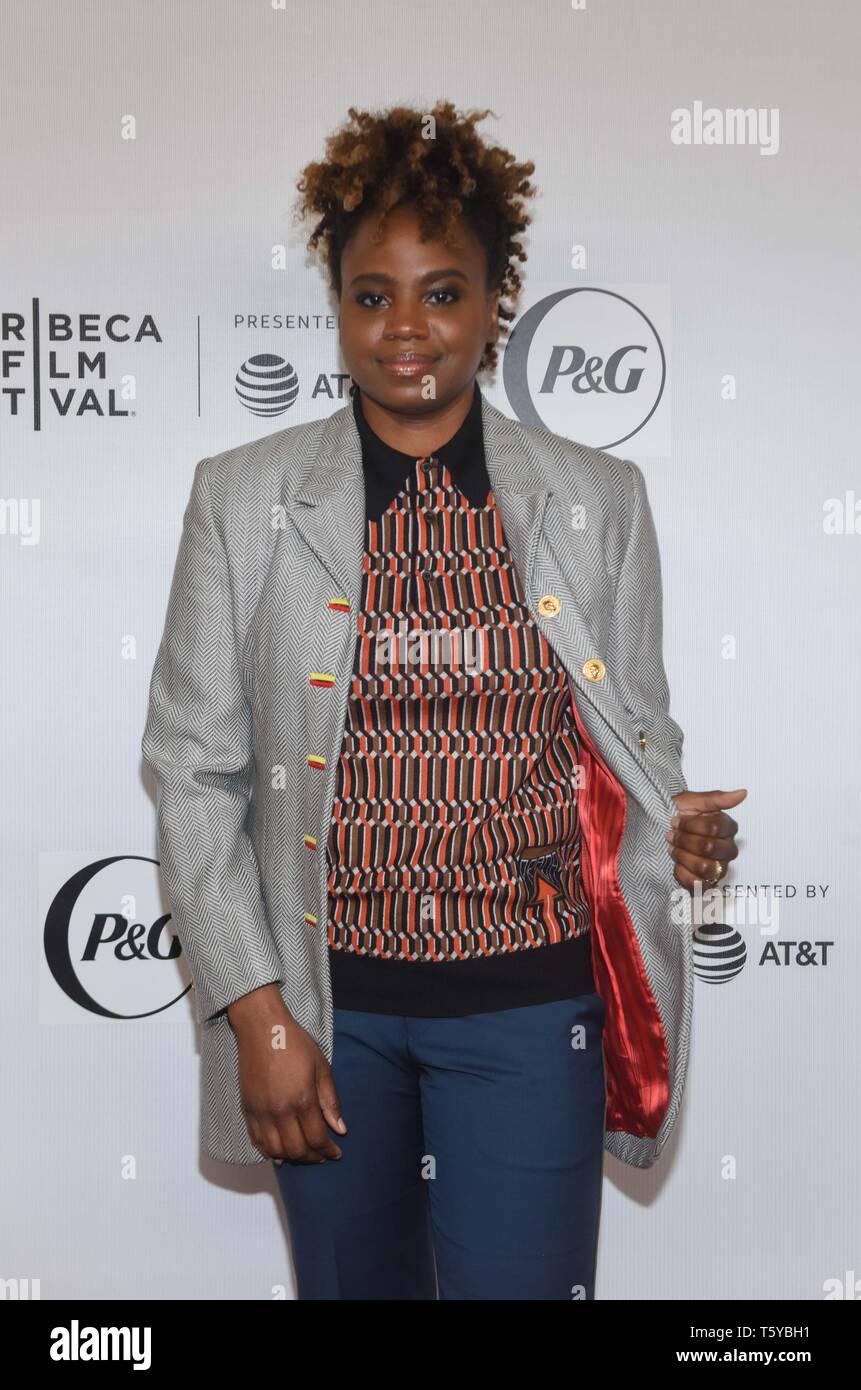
<point x="455" y="834"/>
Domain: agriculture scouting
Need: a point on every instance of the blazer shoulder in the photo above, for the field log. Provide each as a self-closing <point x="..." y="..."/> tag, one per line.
<point x="601" y="486"/>
<point x="565" y="464"/>
<point x="585" y="464"/>
<point x="249" y="483"/>
<point x="580" y="474"/>
<point x="236" y="471"/>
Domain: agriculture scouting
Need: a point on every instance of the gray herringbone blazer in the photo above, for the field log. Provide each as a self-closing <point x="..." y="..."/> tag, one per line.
<point x="273" y="531"/>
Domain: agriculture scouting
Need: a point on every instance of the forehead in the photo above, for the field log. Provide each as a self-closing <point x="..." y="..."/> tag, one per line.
<point x="400" y="248"/>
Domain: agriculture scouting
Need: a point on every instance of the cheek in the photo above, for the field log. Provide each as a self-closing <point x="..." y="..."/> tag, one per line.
<point x="353" y="324"/>
<point x="358" y="336"/>
<point x="464" y="331"/>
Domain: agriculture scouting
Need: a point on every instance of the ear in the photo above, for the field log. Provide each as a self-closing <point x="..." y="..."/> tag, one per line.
<point x="493" y="316"/>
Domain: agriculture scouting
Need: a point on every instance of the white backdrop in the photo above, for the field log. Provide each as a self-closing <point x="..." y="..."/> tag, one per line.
<point x="149" y="155"/>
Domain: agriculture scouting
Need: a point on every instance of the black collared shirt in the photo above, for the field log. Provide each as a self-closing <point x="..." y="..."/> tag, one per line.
<point x="387" y="470"/>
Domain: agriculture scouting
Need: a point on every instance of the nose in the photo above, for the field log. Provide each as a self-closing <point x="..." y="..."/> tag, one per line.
<point x="405" y="320"/>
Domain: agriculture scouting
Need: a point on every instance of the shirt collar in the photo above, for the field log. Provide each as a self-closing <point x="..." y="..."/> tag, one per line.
<point x="386" y="469"/>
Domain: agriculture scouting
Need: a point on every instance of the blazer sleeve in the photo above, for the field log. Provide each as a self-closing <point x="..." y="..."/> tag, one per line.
<point x="197" y="743"/>
<point x="636" y="637"/>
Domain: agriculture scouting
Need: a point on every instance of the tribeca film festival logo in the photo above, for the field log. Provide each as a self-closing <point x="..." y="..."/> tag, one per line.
<point x="58" y="362"/>
<point x="586" y="363"/>
<point x="719" y="950"/>
<point x="101" y="954"/>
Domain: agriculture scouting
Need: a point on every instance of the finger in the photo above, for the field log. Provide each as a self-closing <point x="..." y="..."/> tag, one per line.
<point x="718" y="800"/>
<point x="686" y="878"/>
<point x="702" y="869"/>
<point x="313" y="1125"/>
<point x="708" y="823"/>
<point x="706" y="846"/>
<point x="724" y="799"/>
<point x="264" y="1136"/>
<point x="330" y="1105"/>
<point x="705" y="822"/>
<point x="290" y="1141"/>
<point x="255" y="1134"/>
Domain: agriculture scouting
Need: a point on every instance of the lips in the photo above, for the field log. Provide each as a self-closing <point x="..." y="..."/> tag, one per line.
<point x="408" y="364"/>
<point x="403" y="357"/>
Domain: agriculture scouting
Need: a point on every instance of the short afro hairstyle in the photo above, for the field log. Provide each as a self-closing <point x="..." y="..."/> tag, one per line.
<point x="379" y="160"/>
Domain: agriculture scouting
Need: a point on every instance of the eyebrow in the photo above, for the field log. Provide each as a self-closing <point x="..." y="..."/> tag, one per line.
<point x="381" y="278"/>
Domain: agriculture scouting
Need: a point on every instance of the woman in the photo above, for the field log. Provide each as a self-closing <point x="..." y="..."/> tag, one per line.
<point x="415" y="768"/>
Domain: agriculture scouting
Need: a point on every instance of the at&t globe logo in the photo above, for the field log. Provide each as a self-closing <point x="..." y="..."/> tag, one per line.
<point x="267" y="384"/>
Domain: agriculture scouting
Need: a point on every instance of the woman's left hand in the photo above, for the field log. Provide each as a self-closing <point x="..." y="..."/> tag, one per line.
<point x="701" y="839"/>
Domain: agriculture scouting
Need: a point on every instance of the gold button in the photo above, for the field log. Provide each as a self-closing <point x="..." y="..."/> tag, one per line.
<point x="594" y="669"/>
<point x="642" y="738"/>
<point x="549" y="606"/>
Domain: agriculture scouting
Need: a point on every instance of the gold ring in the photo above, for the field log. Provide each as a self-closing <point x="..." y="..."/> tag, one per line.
<point x="721" y="870"/>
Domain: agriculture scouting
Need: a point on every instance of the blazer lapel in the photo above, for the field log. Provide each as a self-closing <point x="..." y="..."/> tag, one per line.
<point x="535" y="526"/>
<point x="329" y="508"/>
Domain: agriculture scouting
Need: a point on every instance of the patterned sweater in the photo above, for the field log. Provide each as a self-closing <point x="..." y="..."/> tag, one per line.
<point x="454" y="850"/>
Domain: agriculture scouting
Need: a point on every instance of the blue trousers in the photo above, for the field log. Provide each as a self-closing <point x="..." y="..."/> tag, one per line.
<point x="472" y="1164"/>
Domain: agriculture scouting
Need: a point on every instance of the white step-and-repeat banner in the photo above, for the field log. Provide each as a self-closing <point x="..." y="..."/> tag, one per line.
<point x="691" y="301"/>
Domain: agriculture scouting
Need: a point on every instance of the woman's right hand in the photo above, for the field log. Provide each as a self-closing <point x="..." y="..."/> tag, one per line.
<point x="288" y="1091"/>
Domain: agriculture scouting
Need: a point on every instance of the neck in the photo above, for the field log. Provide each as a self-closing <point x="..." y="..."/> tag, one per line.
<point x="418" y="433"/>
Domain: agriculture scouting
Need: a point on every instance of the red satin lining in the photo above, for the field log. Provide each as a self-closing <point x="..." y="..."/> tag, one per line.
<point x="635" y="1048"/>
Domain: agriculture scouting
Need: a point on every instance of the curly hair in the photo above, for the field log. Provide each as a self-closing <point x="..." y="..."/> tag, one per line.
<point x="377" y="161"/>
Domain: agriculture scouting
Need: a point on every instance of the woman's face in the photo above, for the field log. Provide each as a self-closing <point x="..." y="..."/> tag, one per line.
<point x="405" y="296"/>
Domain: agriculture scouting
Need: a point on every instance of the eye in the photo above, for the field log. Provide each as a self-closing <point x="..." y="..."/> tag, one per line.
<point x="452" y="292"/>
<point x="446" y="290"/>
